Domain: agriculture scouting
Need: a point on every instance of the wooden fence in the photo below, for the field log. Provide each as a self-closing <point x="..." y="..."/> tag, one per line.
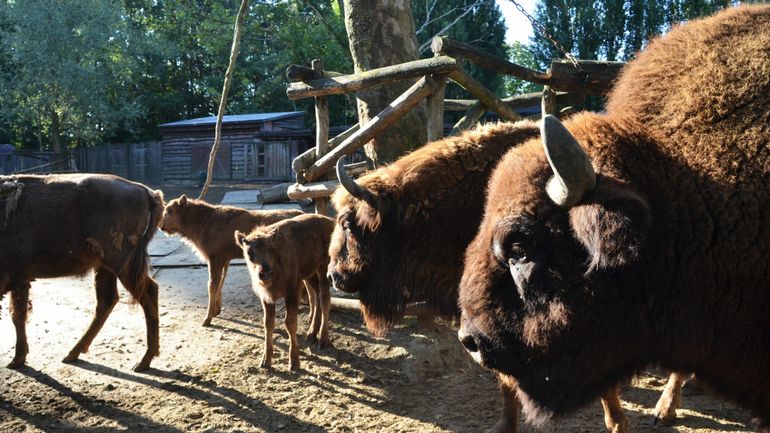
<point x="565" y="84"/>
<point x="136" y="161"/>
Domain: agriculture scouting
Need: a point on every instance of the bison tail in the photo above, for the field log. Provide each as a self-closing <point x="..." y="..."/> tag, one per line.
<point x="136" y="273"/>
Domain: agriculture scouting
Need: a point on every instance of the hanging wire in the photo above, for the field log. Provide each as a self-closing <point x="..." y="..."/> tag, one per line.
<point x="545" y="33"/>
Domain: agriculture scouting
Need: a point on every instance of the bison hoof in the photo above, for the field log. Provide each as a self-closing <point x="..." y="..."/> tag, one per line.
<point x="206" y="322"/>
<point x="16" y="363"/>
<point x="72" y="357"/>
<point x="141" y="366"/>
<point x="265" y="364"/>
<point x="294" y="367"/>
<point x="503" y="426"/>
<point x="325" y="344"/>
<point x="311" y="338"/>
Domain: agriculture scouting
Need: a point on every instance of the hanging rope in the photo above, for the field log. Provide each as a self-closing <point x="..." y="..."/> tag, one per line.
<point x="223" y="101"/>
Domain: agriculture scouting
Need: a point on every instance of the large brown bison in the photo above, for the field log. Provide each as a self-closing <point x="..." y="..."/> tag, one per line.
<point x="402" y="231"/>
<point x="637" y="237"/>
<point x="59" y="225"/>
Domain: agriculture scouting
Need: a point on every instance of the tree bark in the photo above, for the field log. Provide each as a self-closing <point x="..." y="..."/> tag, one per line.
<point x="55" y="131"/>
<point x="381" y="33"/>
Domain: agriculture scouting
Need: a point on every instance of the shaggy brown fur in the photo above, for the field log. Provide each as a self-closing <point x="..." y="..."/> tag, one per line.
<point x="280" y="256"/>
<point x="674" y="236"/>
<point x="61" y="225"/>
<point x="209" y="230"/>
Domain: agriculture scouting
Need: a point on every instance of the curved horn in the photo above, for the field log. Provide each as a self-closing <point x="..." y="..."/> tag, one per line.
<point x="573" y="173"/>
<point x="349" y="184"/>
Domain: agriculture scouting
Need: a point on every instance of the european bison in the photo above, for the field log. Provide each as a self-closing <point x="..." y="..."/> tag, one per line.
<point x="68" y="224"/>
<point x="280" y="256"/>
<point x="640" y="236"/>
<point x="209" y="230"/>
<point x="402" y="232"/>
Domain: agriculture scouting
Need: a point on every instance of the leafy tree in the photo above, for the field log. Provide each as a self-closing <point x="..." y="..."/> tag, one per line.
<point x="521" y="55"/>
<point x="71" y="82"/>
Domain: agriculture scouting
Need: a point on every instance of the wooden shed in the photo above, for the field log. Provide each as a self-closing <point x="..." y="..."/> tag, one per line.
<point x="255" y="147"/>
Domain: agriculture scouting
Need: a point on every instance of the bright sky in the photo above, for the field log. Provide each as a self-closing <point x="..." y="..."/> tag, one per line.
<point x="519" y="27"/>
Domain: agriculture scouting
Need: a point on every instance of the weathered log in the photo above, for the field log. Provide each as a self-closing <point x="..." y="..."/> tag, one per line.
<point x="305" y="73"/>
<point x="322" y="132"/>
<point x="548" y="103"/>
<point x="316" y="190"/>
<point x="596" y="77"/>
<point x="274" y="194"/>
<point x="435" y="126"/>
<point x="450" y="47"/>
<point x="474" y="113"/>
<point x="486" y="97"/>
<point x="354" y="82"/>
<point x="421" y="89"/>
<point x="307" y="158"/>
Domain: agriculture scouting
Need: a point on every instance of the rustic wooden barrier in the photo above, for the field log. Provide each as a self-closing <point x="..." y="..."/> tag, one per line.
<point x="565" y="85"/>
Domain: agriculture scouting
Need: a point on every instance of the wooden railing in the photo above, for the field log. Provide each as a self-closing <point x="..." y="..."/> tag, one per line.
<point x="564" y="86"/>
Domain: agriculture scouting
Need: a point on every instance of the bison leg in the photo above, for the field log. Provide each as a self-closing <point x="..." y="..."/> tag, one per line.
<point x="215" y="282"/>
<point x="325" y="299"/>
<point x="19" y="305"/>
<point x="670" y="398"/>
<point x="509" y="415"/>
<point x="225" y="267"/>
<point x="311" y="288"/>
<point x="149" y="303"/>
<point x="269" y="322"/>
<point x="614" y="417"/>
<point x="106" y="285"/>
<point x="292" y="308"/>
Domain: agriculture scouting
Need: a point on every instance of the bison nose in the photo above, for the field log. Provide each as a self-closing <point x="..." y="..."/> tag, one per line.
<point x="468" y="341"/>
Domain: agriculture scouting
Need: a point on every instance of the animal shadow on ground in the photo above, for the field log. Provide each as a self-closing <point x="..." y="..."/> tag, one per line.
<point x="191" y="387"/>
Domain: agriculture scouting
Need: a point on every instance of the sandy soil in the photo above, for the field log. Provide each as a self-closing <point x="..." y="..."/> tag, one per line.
<point x="208" y="380"/>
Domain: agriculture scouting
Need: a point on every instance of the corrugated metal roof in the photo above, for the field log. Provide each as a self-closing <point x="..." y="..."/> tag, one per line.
<point x="235" y="118"/>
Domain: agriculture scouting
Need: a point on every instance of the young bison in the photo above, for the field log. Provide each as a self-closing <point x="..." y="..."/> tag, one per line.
<point x="280" y="256"/>
<point x="209" y="230"/>
<point x="62" y="225"/>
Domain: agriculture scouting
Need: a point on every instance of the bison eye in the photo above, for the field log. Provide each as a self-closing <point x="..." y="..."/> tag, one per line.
<point x="516" y="253"/>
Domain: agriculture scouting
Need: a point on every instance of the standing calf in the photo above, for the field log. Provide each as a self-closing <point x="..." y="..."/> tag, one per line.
<point x="280" y="256"/>
<point x="61" y="225"/>
<point x="209" y="229"/>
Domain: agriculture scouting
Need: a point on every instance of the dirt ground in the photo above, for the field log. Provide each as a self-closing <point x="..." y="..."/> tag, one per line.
<point x="208" y="379"/>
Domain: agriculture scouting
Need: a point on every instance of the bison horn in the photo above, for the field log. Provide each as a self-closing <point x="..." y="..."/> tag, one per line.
<point x="350" y="184"/>
<point x="573" y="173"/>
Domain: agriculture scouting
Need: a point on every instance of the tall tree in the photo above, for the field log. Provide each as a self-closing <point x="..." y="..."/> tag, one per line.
<point x="381" y="34"/>
<point x="71" y="81"/>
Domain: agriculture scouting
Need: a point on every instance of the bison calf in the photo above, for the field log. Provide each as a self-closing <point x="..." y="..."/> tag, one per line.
<point x="280" y="256"/>
<point x="209" y="229"/>
<point x="61" y="225"/>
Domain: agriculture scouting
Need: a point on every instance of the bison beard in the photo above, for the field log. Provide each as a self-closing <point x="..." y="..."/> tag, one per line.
<point x="656" y="250"/>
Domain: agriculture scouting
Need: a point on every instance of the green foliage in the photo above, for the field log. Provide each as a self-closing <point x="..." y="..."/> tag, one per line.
<point x="521" y="55"/>
<point x="610" y="29"/>
<point x="482" y="27"/>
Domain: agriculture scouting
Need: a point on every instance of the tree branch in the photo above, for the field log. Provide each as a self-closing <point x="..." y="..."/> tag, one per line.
<point x="468" y="9"/>
<point x="342" y="41"/>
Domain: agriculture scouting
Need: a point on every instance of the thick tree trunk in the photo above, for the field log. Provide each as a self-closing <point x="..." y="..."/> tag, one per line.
<point x="381" y="33"/>
<point x="55" y="131"/>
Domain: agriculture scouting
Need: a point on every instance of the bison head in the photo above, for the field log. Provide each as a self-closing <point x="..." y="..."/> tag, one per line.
<point x="173" y="215"/>
<point x="547" y="293"/>
<point x="361" y="253"/>
<point x="259" y="255"/>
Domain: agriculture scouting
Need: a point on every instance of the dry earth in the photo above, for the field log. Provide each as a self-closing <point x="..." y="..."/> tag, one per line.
<point x="208" y="380"/>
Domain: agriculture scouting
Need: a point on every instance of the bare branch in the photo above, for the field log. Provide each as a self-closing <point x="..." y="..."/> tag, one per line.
<point x="468" y="10"/>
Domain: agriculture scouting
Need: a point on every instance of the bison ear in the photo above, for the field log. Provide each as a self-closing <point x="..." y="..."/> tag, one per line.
<point x="183" y="200"/>
<point x="240" y="238"/>
<point x="612" y="224"/>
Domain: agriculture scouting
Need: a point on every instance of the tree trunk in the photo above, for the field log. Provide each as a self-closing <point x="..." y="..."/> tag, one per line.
<point x="55" y="131"/>
<point x="381" y="33"/>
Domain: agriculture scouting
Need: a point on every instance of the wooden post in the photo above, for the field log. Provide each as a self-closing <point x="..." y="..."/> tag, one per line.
<point x="485" y="95"/>
<point x="363" y="80"/>
<point x="435" y="130"/>
<point x="308" y="157"/>
<point x="322" y="132"/>
<point x="446" y="46"/>
<point x="420" y="90"/>
<point x="596" y="76"/>
<point x="548" y="104"/>
<point x="470" y="118"/>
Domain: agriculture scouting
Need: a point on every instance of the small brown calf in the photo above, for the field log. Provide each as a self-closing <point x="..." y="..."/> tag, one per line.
<point x="209" y="230"/>
<point x="280" y="256"/>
